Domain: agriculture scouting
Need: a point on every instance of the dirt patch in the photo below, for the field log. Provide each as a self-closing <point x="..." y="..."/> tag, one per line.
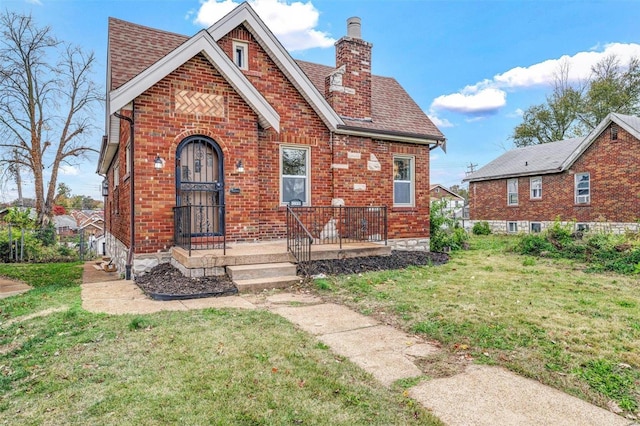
<point x="165" y="282"/>
<point x="396" y="260"/>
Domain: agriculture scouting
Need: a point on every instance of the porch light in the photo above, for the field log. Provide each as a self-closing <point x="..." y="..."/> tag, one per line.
<point x="158" y="163"/>
<point x="239" y="167"/>
<point x="105" y="188"/>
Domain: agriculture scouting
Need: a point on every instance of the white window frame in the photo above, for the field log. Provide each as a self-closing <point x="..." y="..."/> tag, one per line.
<point x="539" y="227"/>
<point x="582" y="227"/>
<point x="116" y="174"/>
<point x="510" y="193"/>
<point x="584" y="198"/>
<point x="512" y="227"/>
<point x="307" y="177"/>
<point x="241" y="48"/>
<point x="535" y="191"/>
<point x="411" y="181"/>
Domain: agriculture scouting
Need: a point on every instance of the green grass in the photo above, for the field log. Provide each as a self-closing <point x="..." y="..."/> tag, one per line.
<point x="207" y="366"/>
<point x="543" y="318"/>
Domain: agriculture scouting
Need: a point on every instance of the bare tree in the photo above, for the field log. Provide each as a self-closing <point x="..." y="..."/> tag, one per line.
<point x="47" y="97"/>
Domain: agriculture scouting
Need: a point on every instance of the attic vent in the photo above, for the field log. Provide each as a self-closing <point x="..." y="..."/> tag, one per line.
<point x="613" y="132"/>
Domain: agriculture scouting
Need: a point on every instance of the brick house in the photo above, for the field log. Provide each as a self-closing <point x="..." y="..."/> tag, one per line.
<point x="228" y="121"/>
<point x="593" y="181"/>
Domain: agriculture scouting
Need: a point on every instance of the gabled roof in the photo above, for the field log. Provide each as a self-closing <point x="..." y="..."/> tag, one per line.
<point x="450" y="192"/>
<point x="395" y="115"/>
<point x="204" y="44"/>
<point x="554" y="157"/>
<point x="246" y="16"/>
<point x="393" y="111"/>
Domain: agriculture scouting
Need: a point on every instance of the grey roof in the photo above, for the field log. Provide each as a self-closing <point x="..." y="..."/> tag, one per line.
<point x="551" y="157"/>
<point x="65" y="221"/>
<point x="527" y="161"/>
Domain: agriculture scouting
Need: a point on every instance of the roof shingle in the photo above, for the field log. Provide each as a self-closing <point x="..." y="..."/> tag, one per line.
<point x="133" y="48"/>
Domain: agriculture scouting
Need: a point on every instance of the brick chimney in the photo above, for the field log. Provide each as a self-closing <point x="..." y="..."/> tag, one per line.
<point x="348" y="88"/>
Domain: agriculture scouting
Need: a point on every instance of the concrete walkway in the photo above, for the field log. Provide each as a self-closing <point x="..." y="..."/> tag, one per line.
<point x="480" y="395"/>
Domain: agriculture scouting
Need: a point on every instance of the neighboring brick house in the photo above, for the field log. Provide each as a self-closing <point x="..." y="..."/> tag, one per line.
<point x="439" y="192"/>
<point x="259" y="129"/>
<point x="593" y="181"/>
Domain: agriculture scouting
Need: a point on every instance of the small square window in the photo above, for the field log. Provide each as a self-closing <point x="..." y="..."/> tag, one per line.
<point x="512" y="227"/>
<point x="582" y="227"/>
<point x="241" y="55"/>
<point x="536" y="227"/>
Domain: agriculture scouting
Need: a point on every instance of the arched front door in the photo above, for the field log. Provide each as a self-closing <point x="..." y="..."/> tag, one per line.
<point x="200" y="184"/>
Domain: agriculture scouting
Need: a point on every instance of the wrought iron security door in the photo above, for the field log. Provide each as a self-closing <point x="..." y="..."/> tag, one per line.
<point x="200" y="185"/>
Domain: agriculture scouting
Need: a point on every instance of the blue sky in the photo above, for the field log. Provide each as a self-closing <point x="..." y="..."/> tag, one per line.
<point x="473" y="66"/>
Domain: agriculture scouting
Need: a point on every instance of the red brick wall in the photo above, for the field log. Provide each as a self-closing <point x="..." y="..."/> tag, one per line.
<point x="355" y="55"/>
<point x="615" y="188"/>
<point x="254" y="213"/>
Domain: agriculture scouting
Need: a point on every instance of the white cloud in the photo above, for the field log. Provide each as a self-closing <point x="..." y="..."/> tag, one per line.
<point x="36" y="2"/>
<point x="294" y="24"/>
<point x="472" y="101"/>
<point x="68" y="170"/>
<point x="439" y="122"/>
<point x="489" y="95"/>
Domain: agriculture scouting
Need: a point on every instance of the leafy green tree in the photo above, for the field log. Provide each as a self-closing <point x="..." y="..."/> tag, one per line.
<point x="572" y="111"/>
<point x="554" y="120"/>
<point x="613" y="88"/>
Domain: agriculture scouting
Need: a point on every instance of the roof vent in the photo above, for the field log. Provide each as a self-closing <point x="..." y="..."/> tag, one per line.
<point x="353" y="27"/>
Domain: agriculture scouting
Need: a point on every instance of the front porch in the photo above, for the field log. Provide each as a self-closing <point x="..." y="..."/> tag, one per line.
<point x="214" y="261"/>
<point x="312" y="233"/>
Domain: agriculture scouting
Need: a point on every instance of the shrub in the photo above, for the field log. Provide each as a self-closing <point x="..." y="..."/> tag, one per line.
<point x="446" y="232"/>
<point x="481" y="228"/>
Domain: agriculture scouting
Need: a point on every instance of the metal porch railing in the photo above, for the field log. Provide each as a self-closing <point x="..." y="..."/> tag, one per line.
<point x="299" y="240"/>
<point x="340" y="224"/>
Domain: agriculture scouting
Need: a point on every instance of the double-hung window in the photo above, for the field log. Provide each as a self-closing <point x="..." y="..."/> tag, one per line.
<point x="583" y="188"/>
<point x="512" y="192"/>
<point x="536" y="188"/>
<point x="403" y="181"/>
<point x="294" y="174"/>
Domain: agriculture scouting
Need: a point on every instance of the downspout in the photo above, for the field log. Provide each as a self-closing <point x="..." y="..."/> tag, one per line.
<point x="132" y="243"/>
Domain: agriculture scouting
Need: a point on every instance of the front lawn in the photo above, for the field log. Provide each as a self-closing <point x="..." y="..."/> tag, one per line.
<point x="543" y="318"/>
<point x="62" y="365"/>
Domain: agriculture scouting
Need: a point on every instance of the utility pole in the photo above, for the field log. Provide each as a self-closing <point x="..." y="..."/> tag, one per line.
<point x="471" y="168"/>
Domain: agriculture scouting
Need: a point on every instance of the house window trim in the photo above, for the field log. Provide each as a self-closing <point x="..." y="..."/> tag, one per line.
<point x="582" y="227"/>
<point x="243" y="46"/>
<point x="532" y="189"/>
<point x="577" y="197"/>
<point x="412" y="182"/>
<point x="509" y="202"/>
<point x="307" y="149"/>
<point x="515" y="226"/>
<point x="116" y="174"/>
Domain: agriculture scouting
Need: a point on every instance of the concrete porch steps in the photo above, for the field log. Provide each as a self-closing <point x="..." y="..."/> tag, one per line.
<point x="265" y="276"/>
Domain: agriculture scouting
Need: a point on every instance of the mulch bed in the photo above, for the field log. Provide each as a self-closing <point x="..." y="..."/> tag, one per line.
<point x="165" y="282"/>
<point x="356" y="265"/>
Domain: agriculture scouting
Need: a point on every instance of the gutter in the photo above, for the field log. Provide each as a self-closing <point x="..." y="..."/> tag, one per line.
<point x="437" y="140"/>
<point x="132" y="243"/>
<point x="515" y="175"/>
